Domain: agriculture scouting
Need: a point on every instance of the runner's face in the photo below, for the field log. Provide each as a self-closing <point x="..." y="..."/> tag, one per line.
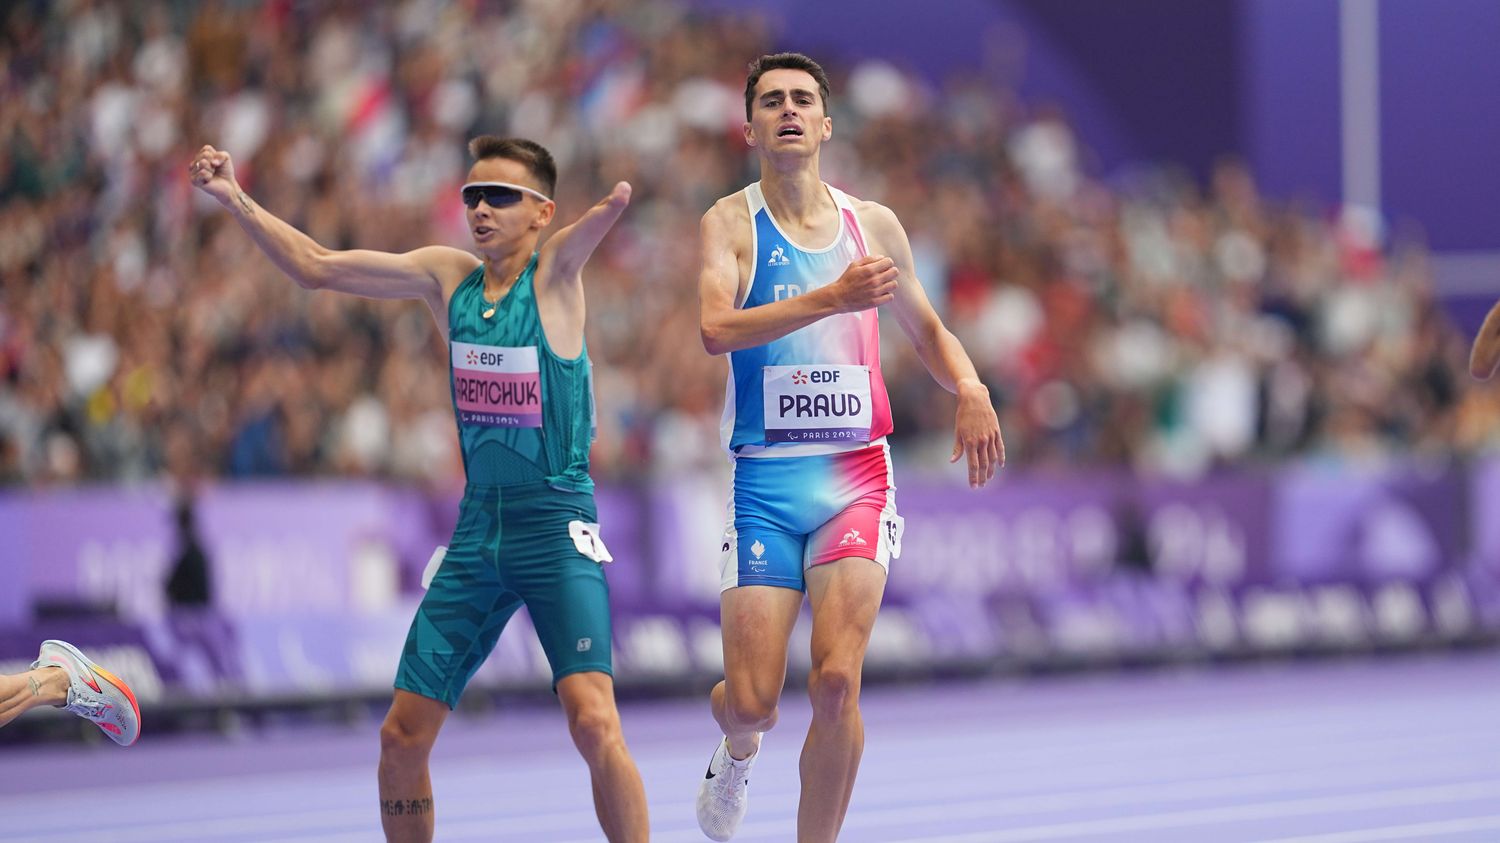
<point x="499" y="229"/>
<point x="787" y="113"/>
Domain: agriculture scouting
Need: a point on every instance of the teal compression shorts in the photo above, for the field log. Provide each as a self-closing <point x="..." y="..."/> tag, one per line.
<point x="530" y="545"/>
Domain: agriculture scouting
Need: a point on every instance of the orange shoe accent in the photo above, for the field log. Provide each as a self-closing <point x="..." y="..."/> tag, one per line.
<point x="118" y="683"/>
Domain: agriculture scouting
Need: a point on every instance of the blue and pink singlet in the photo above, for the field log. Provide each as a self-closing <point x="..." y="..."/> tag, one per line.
<point x="805" y="418"/>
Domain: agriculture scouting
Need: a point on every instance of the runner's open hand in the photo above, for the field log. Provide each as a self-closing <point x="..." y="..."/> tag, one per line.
<point x="977" y="434"/>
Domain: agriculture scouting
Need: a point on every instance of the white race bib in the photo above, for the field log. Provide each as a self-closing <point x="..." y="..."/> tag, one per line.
<point x="586" y="538"/>
<point x="817" y="403"/>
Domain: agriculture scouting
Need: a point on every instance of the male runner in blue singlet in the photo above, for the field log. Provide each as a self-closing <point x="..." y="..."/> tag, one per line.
<point x="793" y="271"/>
<point x="527" y="530"/>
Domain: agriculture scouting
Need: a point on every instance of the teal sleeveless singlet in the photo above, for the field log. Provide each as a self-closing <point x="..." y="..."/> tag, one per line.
<point x="524" y="414"/>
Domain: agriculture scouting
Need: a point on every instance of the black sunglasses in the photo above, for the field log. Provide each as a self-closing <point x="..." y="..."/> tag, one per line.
<point x="496" y="194"/>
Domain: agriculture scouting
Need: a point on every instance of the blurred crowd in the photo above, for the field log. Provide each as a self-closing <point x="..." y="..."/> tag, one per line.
<point x="1151" y="321"/>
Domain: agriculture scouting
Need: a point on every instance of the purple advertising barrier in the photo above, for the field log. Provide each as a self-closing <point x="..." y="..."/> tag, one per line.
<point x="1028" y="537"/>
<point x="273" y="548"/>
<point x="102" y="546"/>
<point x="1215" y="531"/>
<point x="319" y="654"/>
<point x="685" y="528"/>
<point x="1484" y="516"/>
<point x="1023" y="535"/>
<point x="1036" y="535"/>
<point x="1481" y="577"/>
<point x="16" y="560"/>
<point x="1108" y="564"/>
<point x="317" y="583"/>
<point x="621" y="525"/>
<point x="306" y="548"/>
<point x="1347" y="526"/>
<point x="1007" y="569"/>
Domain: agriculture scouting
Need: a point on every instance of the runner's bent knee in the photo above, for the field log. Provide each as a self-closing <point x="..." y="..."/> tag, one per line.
<point x="751" y="707"/>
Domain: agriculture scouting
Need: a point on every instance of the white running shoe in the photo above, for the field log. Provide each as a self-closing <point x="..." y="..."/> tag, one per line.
<point x="94" y="693"/>
<point x="723" y="797"/>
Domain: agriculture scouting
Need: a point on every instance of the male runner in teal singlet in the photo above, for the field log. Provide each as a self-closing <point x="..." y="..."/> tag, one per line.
<point x="793" y="271"/>
<point x="527" y="530"/>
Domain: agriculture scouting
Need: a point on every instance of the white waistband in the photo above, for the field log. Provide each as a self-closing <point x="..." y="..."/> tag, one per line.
<point x="802" y="449"/>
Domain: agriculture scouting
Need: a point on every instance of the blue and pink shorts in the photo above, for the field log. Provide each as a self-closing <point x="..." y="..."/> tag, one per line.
<point x="787" y="514"/>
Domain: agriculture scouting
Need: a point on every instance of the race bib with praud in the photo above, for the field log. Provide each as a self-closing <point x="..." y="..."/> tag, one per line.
<point x="817" y="403"/>
<point x="497" y="386"/>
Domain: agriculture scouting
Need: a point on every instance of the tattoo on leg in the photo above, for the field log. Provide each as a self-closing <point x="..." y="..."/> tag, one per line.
<point x="406" y="807"/>
<point x="36" y="690"/>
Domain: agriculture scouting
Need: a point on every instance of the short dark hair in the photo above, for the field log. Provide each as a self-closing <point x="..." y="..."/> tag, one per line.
<point x="788" y="61"/>
<point x="533" y="155"/>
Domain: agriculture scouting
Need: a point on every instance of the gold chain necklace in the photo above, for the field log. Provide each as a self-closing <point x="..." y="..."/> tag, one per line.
<point x="493" y="304"/>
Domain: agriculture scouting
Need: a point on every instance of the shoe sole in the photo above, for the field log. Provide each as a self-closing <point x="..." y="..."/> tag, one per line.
<point x="117" y="682"/>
